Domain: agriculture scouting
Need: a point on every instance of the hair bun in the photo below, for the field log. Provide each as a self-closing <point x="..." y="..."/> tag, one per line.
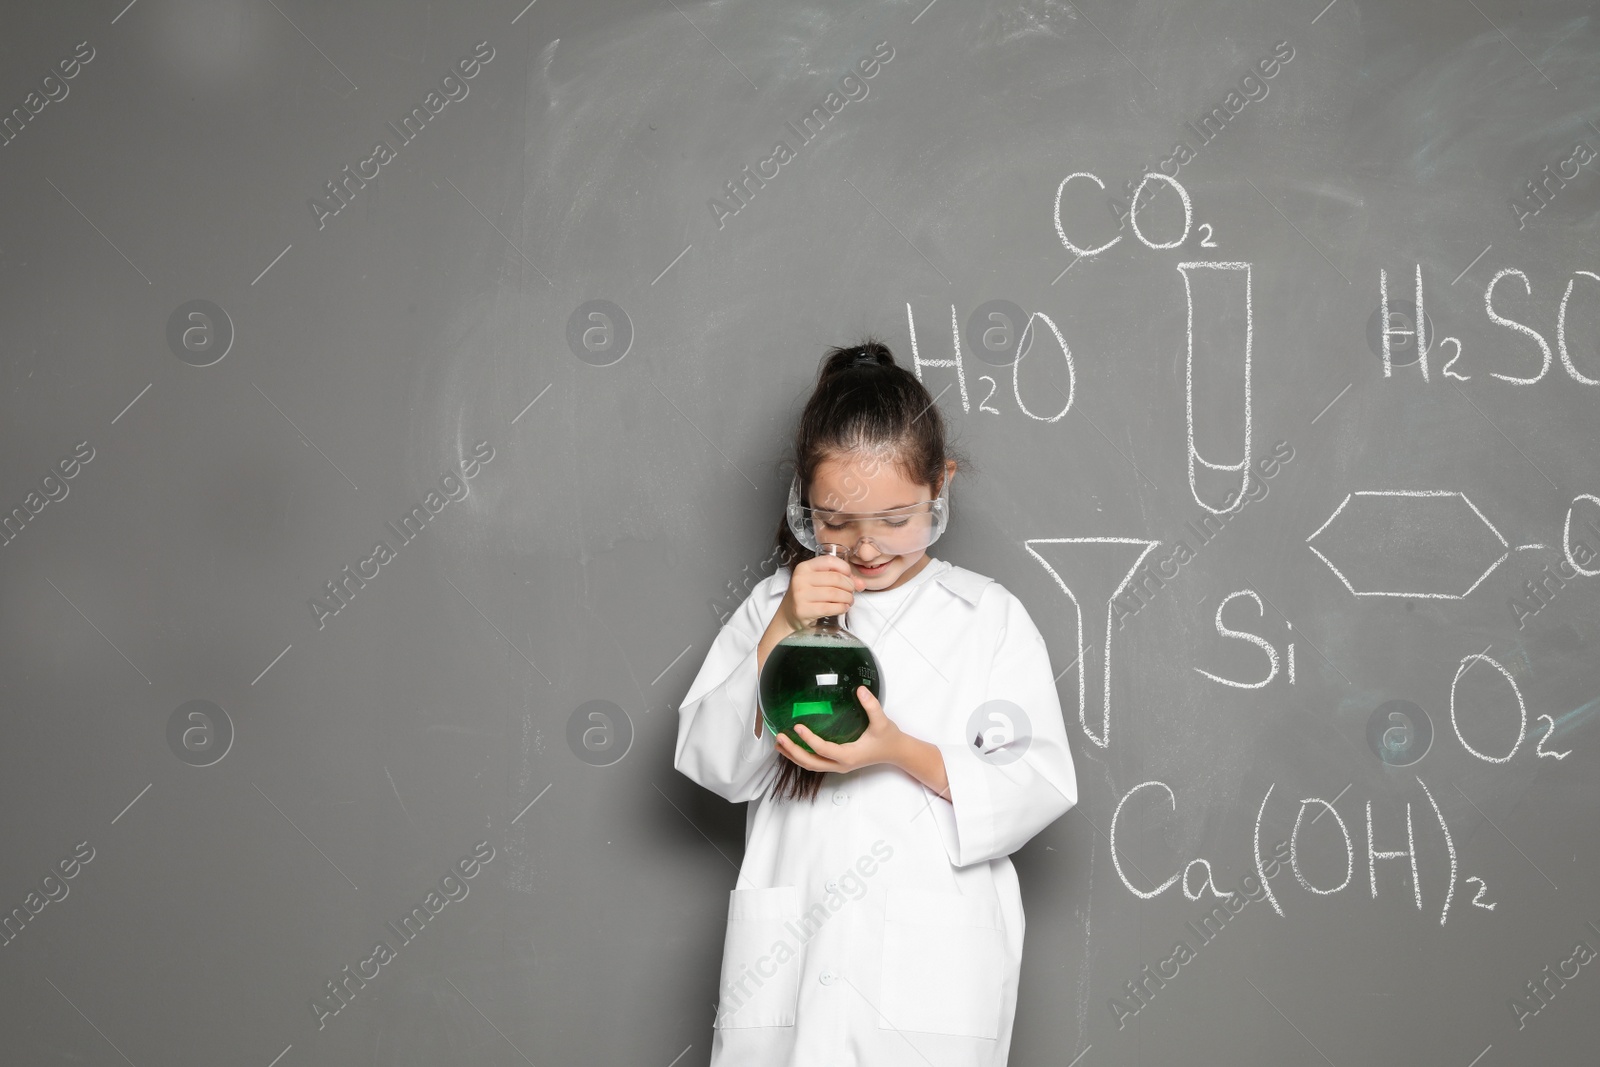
<point x="870" y="353"/>
<point x="875" y="354"/>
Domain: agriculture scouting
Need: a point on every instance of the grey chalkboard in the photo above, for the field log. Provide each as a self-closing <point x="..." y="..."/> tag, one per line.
<point x="396" y="402"/>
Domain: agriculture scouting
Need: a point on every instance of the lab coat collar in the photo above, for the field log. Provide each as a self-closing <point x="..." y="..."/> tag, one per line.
<point x="968" y="585"/>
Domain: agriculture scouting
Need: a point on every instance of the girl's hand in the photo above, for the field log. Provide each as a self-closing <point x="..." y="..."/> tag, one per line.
<point x="822" y="585"/>
<point x="880" y="743"/>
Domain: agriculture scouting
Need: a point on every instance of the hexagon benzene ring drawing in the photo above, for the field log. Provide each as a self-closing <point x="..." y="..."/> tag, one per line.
<point x="1410" y="493"/>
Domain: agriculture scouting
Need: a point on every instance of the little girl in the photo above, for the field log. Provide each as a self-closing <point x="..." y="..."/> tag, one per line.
<point x="877" y="919"/>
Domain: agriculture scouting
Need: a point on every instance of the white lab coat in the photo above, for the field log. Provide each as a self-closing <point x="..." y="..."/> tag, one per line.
<point x="882" y="925"/>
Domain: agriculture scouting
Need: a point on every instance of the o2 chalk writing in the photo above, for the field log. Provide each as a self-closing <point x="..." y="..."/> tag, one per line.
<point x="1522" y="707"/>
<point x="1522" y="715"/>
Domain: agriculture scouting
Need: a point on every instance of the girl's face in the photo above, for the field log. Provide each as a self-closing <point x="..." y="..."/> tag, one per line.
<point x="866" y="482"/>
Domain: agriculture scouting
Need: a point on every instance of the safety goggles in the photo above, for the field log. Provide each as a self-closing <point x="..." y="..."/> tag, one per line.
<point x="897" y="532"/>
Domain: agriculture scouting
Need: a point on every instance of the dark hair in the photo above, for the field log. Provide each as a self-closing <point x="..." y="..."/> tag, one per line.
<point x="866" y="403"/>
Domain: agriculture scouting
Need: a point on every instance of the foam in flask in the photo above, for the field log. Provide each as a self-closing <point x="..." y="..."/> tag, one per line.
<point x="811" y="677"/>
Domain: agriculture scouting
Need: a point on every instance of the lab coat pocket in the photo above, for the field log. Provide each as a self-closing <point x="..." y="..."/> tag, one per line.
<point x="943" y="963"/>
<point x="760" y="959"/>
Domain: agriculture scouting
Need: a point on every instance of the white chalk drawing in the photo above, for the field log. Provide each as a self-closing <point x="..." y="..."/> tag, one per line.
<point x="1082" y="253"/>
<point x="1410" y="850"/>
<point x="1445" y="370"/>
<point x="1261" y="872"/>
<point x="1522" y="707"/>
<point x="1423" y="340"/>
<point x="1566" y="535"/>
<point x="1385" y="330"/>
<point x="1133" y="216"/>
<point x="917" y="363"/>
<point x="1188" y="212"/>
<point x="1409" y="594"/>
<point x="1294" y="855"/>
<point x="1448" y="844"/>
<point x="1373" y="854"/>
<point x="1244" y="635"/>
<point x="1291" y="655"/>
<point x="1243" y="466"/>
<point x="1016" y="364"/>
<point x="1208" y="883"/>
<point x="1539" y="748"/>
<point x="1103" y="739"/>
<point x="1544" y="346"/>
<point x="1561" y="330"/>
<point x="1117" y="862"/>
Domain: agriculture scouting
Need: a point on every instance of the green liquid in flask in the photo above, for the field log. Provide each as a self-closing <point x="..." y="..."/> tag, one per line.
<point x="811" y="677"/>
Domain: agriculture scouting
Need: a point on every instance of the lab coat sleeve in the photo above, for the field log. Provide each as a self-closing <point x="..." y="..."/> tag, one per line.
<point x="717" y="745"/>
<point x="996" y="807"/>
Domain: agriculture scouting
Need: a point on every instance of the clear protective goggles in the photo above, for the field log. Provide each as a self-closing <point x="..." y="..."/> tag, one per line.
<point x="897" y="532"/>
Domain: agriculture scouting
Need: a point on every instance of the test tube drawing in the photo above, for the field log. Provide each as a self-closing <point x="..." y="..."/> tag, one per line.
<point x="1243" y="465"/>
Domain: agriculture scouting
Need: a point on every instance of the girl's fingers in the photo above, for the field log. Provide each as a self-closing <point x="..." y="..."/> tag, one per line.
<point x="829" y="606"/>
<point x="798" y="755"/>
<point x="824" y="749"/>
<point x="869" y="703"/>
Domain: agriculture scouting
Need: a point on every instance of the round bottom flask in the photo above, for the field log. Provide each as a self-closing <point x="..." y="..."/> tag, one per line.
<point x="811" y="677"/>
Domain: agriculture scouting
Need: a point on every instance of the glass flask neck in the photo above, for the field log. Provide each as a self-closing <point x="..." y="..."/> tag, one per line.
<point x="831" y="623"/>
